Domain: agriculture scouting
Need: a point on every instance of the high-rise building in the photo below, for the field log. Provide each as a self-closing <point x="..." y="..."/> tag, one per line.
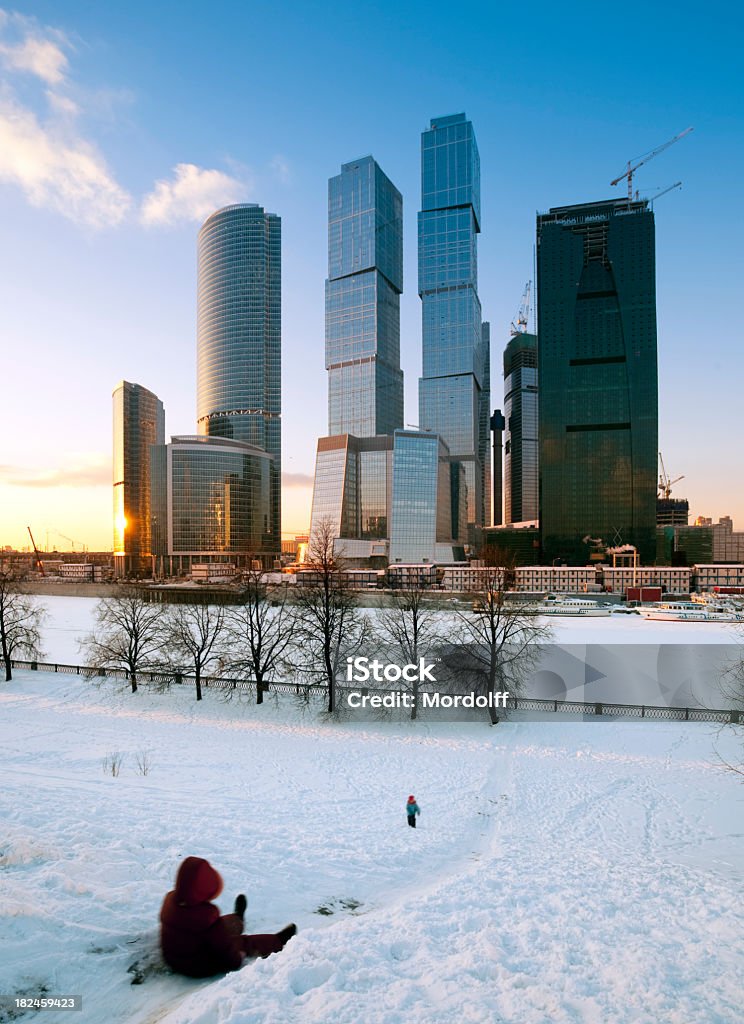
<point x="365" y="280"/>
<point x="597" y="372"/>
<point x="239" y="336"/>
<point x="520" y="440"/>
<point x="210" y="503"/>
<point x="453" y="390"/>
<point x="139" y="422"/>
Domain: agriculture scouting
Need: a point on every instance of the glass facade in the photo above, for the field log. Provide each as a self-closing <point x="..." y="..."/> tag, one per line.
<point x="211" y="500"/>
<point x="139" y="422"/>
<point x="454" y="394"/>
<point x="521" y="437"/>
<point x="239" y="336"/>
<point x="597" y="368"/>
<point x="353" y="484"/>
<point x="365" y="280"/>
<point x="421" y="508"/>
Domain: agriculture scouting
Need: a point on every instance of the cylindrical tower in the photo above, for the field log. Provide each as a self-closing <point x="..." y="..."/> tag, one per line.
<point x="239" y="334"/>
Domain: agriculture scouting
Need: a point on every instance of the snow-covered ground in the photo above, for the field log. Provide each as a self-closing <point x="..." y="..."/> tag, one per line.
<point x="561" y="872"/>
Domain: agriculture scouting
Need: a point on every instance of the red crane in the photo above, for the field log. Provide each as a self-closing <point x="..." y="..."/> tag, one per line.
<point x="39" y="563"/>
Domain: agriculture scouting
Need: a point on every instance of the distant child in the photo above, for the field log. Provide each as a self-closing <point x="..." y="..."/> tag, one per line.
<point x="412" y="809"/>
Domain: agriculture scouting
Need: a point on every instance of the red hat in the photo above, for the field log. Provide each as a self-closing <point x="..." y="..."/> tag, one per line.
<point x="197" y="881"/>
<point x="411" y="799"/>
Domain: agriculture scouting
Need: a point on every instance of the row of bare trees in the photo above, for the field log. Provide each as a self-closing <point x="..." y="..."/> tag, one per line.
<point x="308" y="631"/>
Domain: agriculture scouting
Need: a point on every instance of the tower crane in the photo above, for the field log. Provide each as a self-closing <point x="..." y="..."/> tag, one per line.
<point x="520" y="327"/>
<point x="633" y="167"/>
<point x="37" y="556"/>
<point x="65" y="537"/>
<point x="665" y="483"/>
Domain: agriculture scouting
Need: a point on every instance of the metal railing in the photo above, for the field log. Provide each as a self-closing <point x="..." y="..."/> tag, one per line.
<point x="168" y="677"/>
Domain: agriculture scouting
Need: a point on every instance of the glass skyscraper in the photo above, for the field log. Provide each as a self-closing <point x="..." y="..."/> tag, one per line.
<point x="139" y="422"/>
<point x="365" y="280"/>
<point x="521" y="438"/>
<point x="597" y="371"/>
<point x="239" y="336"/>
<point x="210" y="502"/>
<point x="453" y="390"/>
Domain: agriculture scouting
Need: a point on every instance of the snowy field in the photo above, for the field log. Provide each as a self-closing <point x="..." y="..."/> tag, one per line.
<point x="561" y="872"/>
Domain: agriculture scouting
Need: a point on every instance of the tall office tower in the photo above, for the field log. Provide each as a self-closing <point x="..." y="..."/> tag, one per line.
<point x="365" y="279"/>
<point x="520" y="441"/>
<point x="139" y="421"/>
<point x="453" y="399"/>
<point x="597" y="372"/>
<point x="239" y="336"/>
<point x="484" y="425"/>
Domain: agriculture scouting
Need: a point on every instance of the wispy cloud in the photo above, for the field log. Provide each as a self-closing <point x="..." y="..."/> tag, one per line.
<point x="58" y="169"/>
<point x="47" y="156"/>
<point x="297" y="480"/>
<point x="190" y="195"/>
<point x="28" y="47"/>
<point x="95" y="473"/>
<point x="281" y="169"/>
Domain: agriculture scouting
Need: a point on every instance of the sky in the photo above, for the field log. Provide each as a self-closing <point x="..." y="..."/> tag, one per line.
<point x="123" y="125"/>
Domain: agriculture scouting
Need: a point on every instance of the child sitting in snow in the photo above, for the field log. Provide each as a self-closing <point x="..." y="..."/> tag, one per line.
<point x="195" y="939"/>
<point x="412" y="809"/>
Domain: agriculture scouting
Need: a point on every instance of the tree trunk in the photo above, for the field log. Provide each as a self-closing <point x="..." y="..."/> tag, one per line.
<point x="198" y="683"/>
<point x="259" y="689"/>
<point x="133" y="680"/>
<point x="8" y="669"/>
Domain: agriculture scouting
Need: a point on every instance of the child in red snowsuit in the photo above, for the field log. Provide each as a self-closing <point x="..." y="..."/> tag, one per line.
<point x="195" y="939"/>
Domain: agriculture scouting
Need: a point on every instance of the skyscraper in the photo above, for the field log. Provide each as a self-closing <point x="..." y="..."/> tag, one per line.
<point x="139" y="422"/>
<point x="365" y="280"/>
<point x="597" y="371"/>
<point x="520" y="440"/>
<point x="453" y="389"/>
<point x="239" y="336"/>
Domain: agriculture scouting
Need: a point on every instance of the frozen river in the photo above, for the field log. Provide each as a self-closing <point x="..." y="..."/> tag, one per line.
<point x="620" y="659"/>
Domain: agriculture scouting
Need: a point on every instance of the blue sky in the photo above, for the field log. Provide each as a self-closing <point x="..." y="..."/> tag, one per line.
<point x="123" y="125"/>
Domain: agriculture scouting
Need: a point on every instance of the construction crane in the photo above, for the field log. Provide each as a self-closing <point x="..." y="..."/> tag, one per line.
<point x="665" y="483"/>
<point x="64" y="537"/>
<point x="663" y="192"/>
<point x="39" y="563"/>
<point x="633" y="167"/>
<point x="520" y="327"/>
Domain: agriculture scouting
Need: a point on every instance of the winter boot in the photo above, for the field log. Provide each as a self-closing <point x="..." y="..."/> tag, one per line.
<point x="286" y="934"/>
<point x="240" y="904"/>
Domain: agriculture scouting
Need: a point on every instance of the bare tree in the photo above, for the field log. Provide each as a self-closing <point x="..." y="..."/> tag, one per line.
<point x="410" y="625"/>
<point x="128" y="634"/>
<point x="194" y="632"/>
<point x="329" y="621"/>
<point x="259" y="630"/>
<point x="21" y="619"/>
<point x="499" y="637"/>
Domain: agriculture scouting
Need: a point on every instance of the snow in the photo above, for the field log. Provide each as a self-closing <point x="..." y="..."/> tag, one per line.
<point x="560" y="871"/>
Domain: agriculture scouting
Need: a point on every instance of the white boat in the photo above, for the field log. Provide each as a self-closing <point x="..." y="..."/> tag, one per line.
<point x="572" y="606"/>
<point x="691" y="611"/>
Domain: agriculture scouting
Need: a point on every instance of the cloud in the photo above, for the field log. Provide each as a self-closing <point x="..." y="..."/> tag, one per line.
<point x="94" y="474"/>
<point x="58" y="169"/>
<point x="297" y="480"/>
<point x="47" y="157"/>
<point x="192" y="194"/>
<point x="280" y="166"/>
<point x="39" y="51"/>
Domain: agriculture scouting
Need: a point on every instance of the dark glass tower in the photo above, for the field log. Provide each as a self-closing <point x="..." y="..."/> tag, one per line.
<point x="239" y="336"/>
<point x="520" y="439"/>
<point x="365" y="280"/>
<point x="139" y="422"/>
<point x="597" y="368"/>
<point x="453" y="390"/>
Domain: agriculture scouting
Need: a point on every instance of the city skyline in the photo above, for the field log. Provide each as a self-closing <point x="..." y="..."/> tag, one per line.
<point x="119" y="158"/>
